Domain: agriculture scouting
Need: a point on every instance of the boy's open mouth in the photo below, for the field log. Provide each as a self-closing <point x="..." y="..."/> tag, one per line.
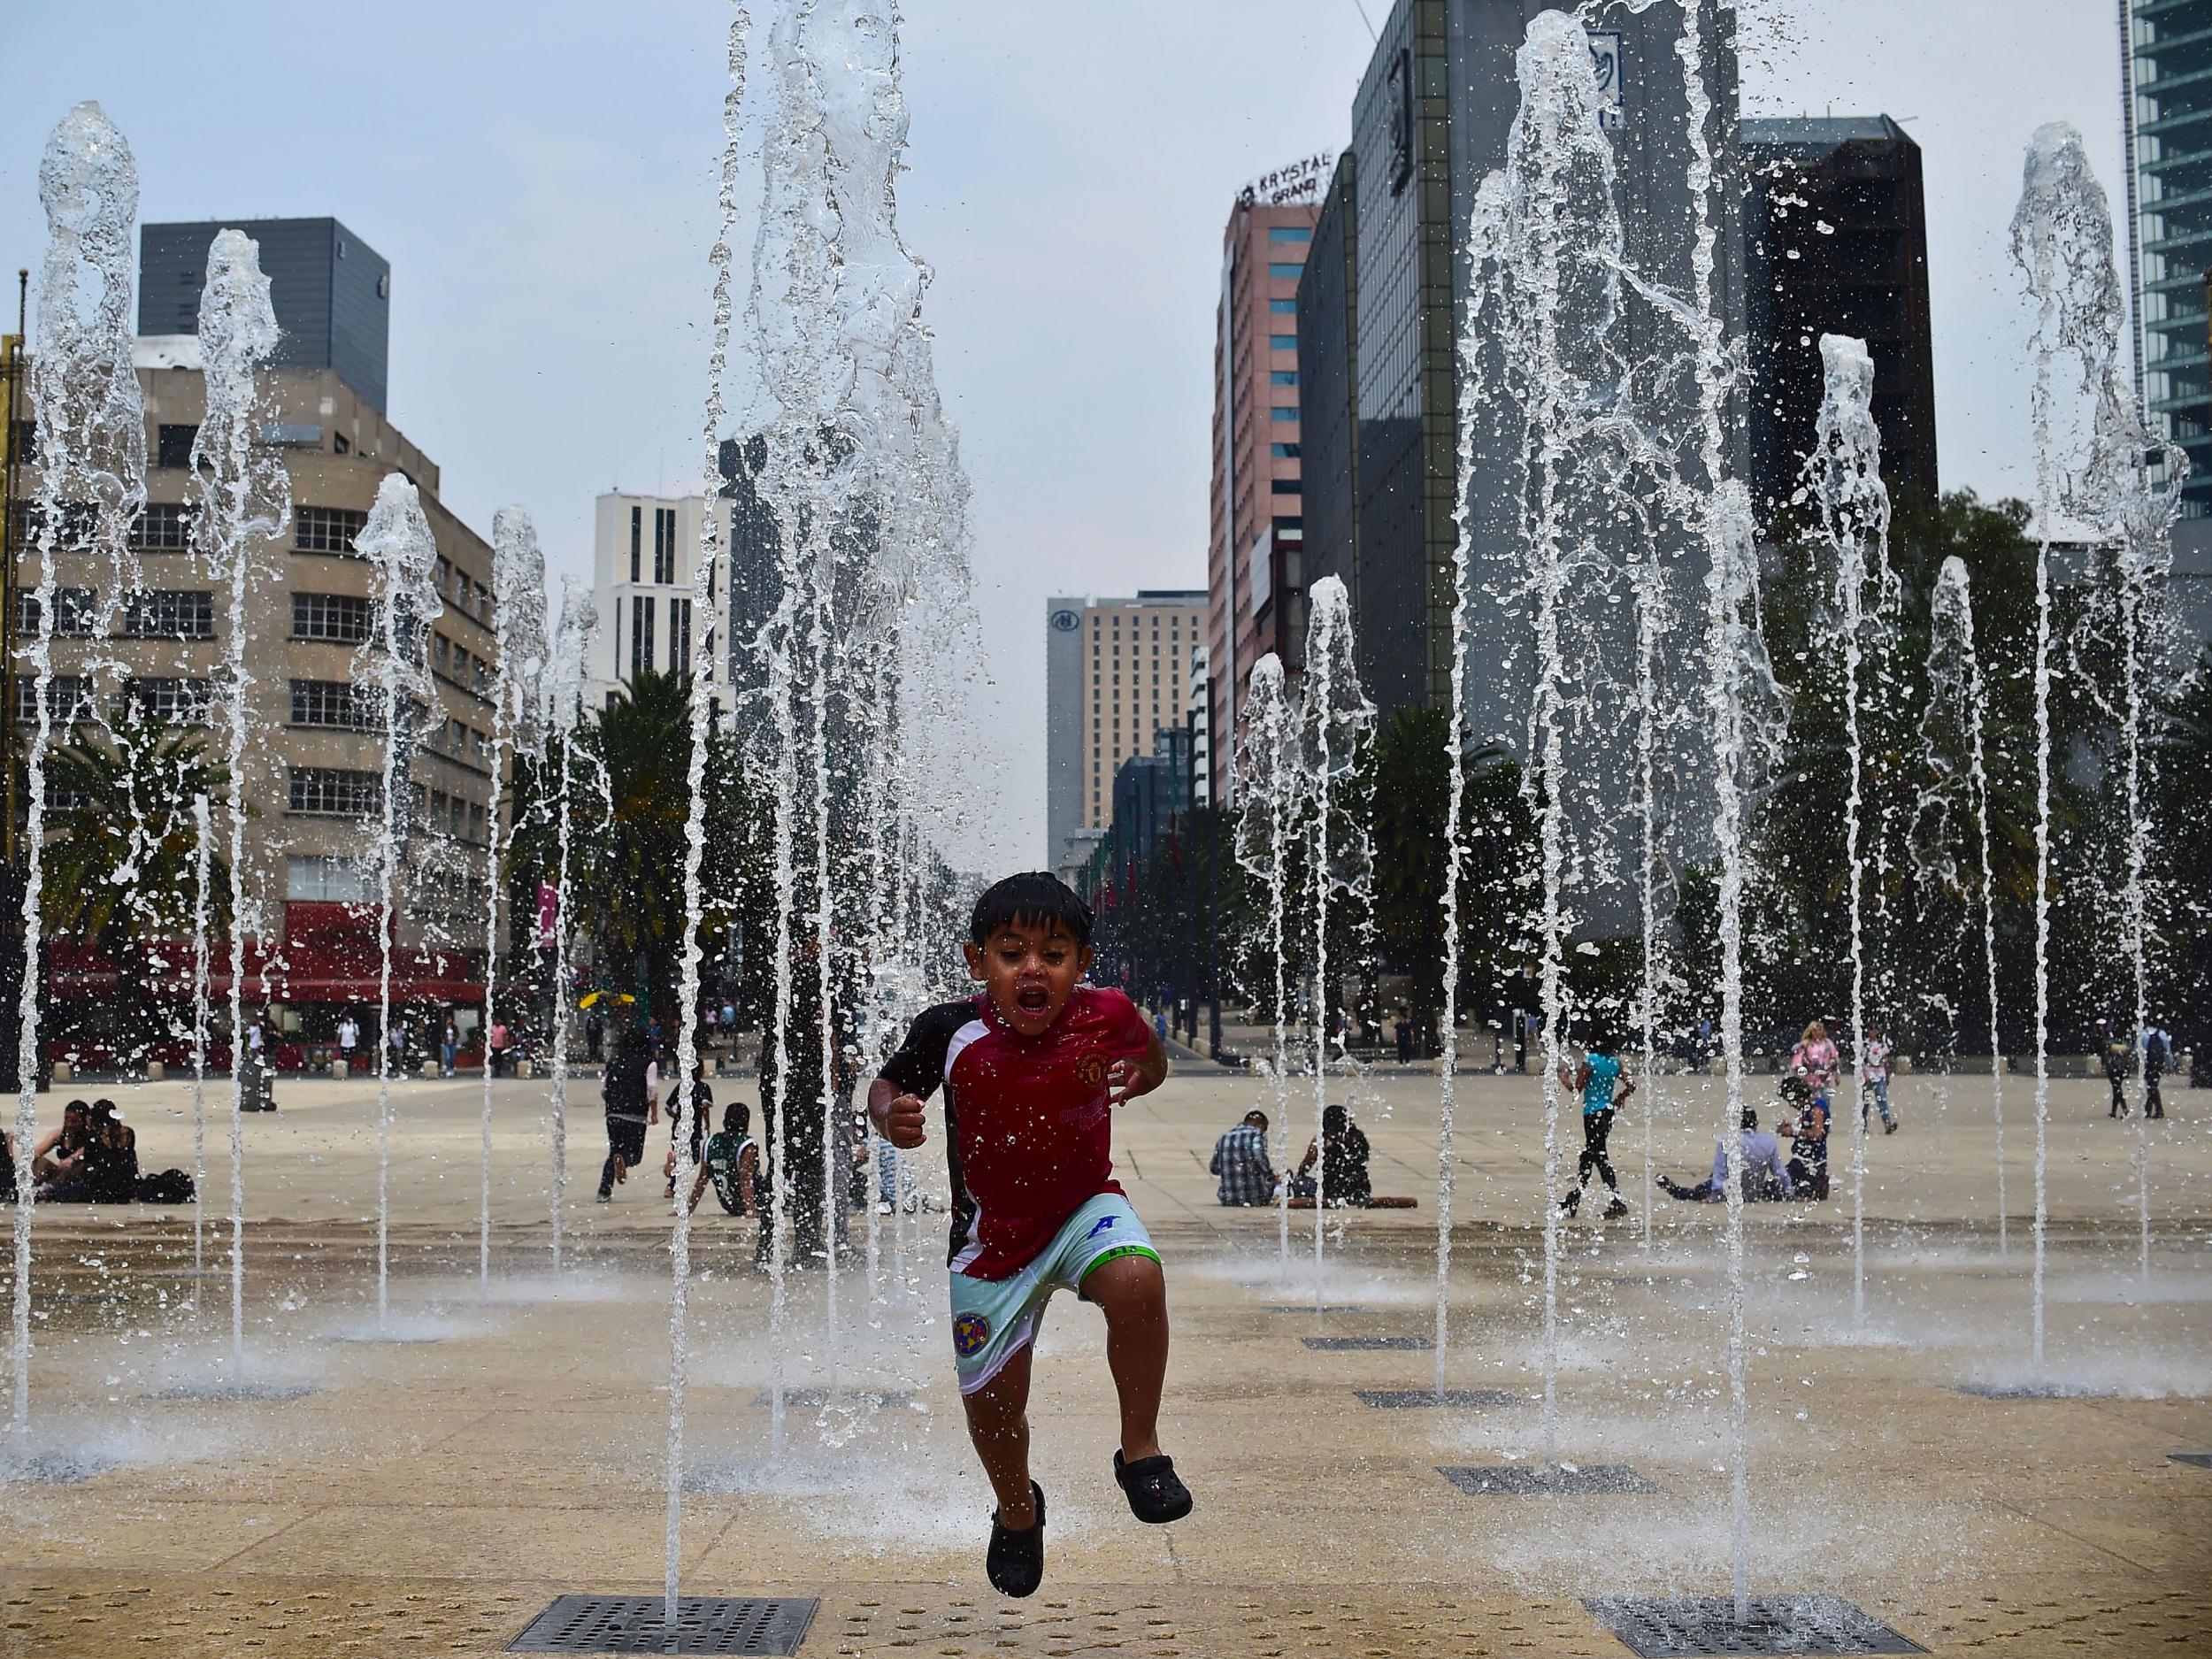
<point x="1032" y="999"/>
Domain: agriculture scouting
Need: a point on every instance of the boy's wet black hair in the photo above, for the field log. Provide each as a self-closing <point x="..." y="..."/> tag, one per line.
<point x="1035" y="899"/>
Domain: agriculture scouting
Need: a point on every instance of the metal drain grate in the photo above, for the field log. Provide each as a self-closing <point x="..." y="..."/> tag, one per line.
<point x="52" y="1469"/>
<point x="1668" y="1627"/>
<point x="633" y="1624"/>
<point x="815" y="1399"/>
<point x="2202" y="1460"/>
<point x="1526" y="1480"/>
<point x="2031" y="1391"/>
<point x="1307" y="1306"/>
<point x="1365" y="1344"/>
<point x="1420" y="1399"/>
<point x="266" y="1393"/>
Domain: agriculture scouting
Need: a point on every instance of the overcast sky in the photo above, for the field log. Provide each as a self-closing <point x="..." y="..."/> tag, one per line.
<point x="540" y="178"/>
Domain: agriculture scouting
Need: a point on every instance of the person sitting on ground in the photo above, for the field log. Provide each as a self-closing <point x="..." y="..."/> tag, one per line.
<point x="1807" y="1132"/>
<point x="733" y="1164"/>
<point x="109" y="1173"/>
<point x="1240" y="1160"/>
<point x="1602" y="1084"/>
<point x="1765" y="1180"/>
<point x="702" y="1108"/>
<point x="1342" y="1153"/>
<point x="58" y="1160"/>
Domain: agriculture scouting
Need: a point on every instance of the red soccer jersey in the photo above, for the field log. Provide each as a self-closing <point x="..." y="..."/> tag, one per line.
<point x="1029" y="1132"/>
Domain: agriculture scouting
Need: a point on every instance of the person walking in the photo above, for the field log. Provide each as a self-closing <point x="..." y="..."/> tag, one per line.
<point x="1816" y="1060"/>
<point x="496" y="1048"/>
<point x="2118" y="1060"/>
<point x="449" y="1049"/>
<point x="2158" y="1054"/>
<point x="1874" y="1077"/>
<point x="594" y="1035"/>
<point x="349" y="1040"/>
<point x="631" y="1109"/>
<point x="1602" y="1086"/>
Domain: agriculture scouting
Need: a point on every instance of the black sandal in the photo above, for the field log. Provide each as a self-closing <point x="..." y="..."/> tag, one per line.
<point x="1015" y="1562"/>
<point x="1155" y="1496"/>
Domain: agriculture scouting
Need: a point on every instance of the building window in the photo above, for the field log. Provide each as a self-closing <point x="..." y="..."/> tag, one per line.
<point x="74" y="613"/>
<point x="637" y="541"/>
<point x="170" y="614"/>
<point x="68" y="695"/>
<point x="166" y="527"/>
<point x="337" y="703"/>
<point x="1282" y="342"/>
<point x="641" y="636"/>
<point x="1289" y="232"/>
<point x="327" y="529"/>
<point x="1282" y="377"/>
<point x="1283" y="308"/>
<point x="1285" y="487"/>
<point x="1285" y="273"/>
<point x="665" y="547"/>
<point x="1281" y="413"/>
<point x="1284" y="451"/>
<point x="173" y="445"/>
<point x="331" y="792"/>
<point x="340" y="444"/>
<point x="175" y="701"/>
<point x="679" y="634"/>
<point x="323" y="880"/>
<point x="339" y="617"/>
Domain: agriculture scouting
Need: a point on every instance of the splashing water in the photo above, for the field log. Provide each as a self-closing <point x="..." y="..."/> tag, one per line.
<point x="518" y="637"/>
<point x="1545" y="241"/>
<point x="394" y="664"/>
<point x="203" y="835"/>
<point x="1270" y="798"/>
<point x="91" y="430"/>
<point x="1338" y="729"/>
<point x="577" y="622"/>
<point x="244" y="498"/>
<point x="1957" y="704"/>
<point x="1844" y="476"/>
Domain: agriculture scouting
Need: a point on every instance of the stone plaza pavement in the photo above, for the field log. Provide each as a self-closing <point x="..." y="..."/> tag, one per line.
<point x="431" y="1491"/>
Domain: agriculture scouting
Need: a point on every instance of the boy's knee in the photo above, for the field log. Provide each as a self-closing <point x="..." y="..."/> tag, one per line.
<point x="1130" y="1288"/>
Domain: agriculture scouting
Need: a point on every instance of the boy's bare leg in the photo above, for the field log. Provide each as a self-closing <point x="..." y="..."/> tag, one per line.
<point x="998" y="1423"/>
<point x="1131" y="1291"/>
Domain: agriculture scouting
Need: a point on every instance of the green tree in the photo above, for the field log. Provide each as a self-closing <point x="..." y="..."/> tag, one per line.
<point x="121" y="865"/>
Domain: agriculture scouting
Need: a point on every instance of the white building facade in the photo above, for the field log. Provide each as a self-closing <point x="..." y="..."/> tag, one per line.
<point x="645" y="550"/>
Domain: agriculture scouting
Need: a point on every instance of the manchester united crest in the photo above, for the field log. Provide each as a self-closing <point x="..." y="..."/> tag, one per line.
<point x="1090" y="1070"/>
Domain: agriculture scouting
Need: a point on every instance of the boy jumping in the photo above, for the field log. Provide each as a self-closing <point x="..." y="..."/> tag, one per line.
<point x="1030" y="1069"/>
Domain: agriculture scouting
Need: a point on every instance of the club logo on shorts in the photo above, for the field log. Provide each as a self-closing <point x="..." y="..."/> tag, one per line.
<point x="1090" y="1070"/>
<point x="969" y="1332"/>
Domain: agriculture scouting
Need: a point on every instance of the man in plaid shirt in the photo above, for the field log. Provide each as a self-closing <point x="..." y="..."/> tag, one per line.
<point x="1241" y="1161"/>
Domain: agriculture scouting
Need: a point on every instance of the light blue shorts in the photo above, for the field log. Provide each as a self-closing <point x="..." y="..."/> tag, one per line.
<point x="993" y="1319"/>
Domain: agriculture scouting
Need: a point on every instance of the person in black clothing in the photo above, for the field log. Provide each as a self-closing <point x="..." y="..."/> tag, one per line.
<point x="2158" y="1054"/>
<point x="799" y="1174"/>
<point x="630" y="1108"/>
<point x="1342" y="1153"/>
<point x="2117" y="1063"/>
<point x="595" y="1034"/>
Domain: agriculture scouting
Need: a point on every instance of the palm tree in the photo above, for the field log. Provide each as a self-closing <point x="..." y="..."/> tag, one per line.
<point x="123" y="852"/>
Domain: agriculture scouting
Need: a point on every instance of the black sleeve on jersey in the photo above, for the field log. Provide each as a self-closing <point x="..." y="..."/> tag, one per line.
<point x="918" y="1067"/>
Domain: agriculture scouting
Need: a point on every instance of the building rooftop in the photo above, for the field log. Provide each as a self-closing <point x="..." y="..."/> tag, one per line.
<point x="1816" y="135"/>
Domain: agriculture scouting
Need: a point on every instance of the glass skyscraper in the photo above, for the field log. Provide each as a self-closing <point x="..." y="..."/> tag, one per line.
<point x="2169" y="60"/>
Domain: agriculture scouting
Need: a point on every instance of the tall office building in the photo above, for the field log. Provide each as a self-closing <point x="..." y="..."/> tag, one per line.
<point x="331" y="293"/>
<point x="1255" y="575"/>
<point x="644" y="551"/>
<point x="1115" y="676"/>
<point x="2166" y="65"/>
<point x="1837" y="242"/>
<point x="1381" y="303"/>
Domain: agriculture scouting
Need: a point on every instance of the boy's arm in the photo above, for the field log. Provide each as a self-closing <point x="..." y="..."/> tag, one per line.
<point x="899" y="1118"/>
<point x="1128" y="1078"/>
<point x="1627" y="1087"/>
